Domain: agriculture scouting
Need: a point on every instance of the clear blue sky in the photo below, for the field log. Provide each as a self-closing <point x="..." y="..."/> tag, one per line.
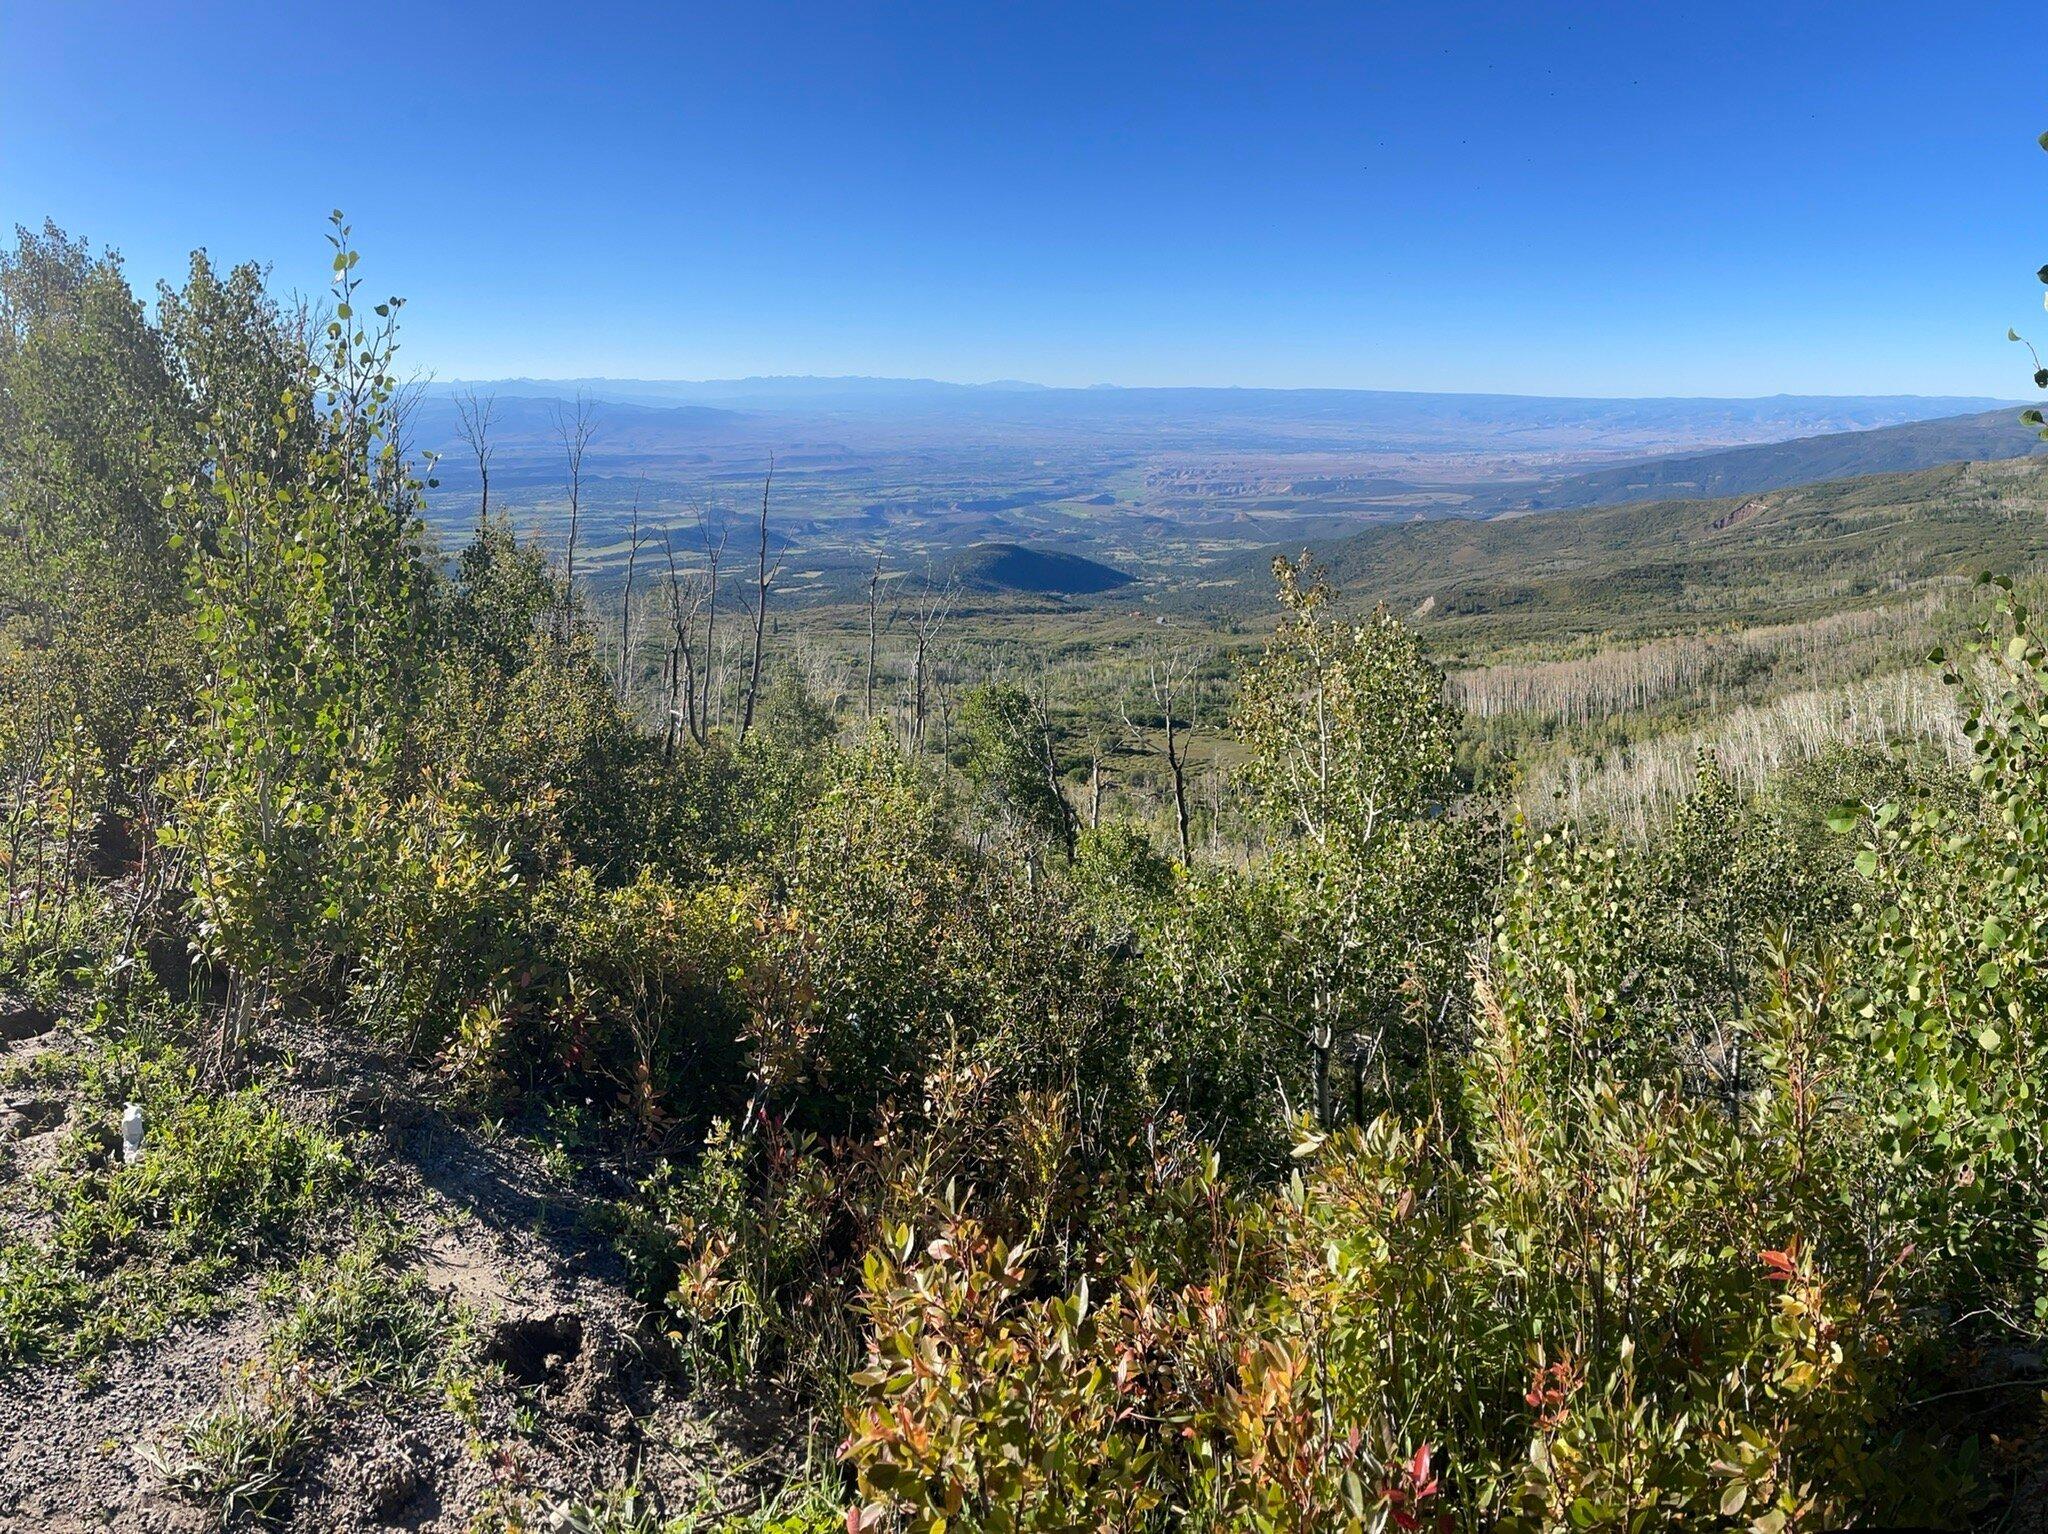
<point x="1619" y="199"/>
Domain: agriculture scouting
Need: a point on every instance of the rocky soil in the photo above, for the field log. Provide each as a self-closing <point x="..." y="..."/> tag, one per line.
<point x="572" y="1393"/>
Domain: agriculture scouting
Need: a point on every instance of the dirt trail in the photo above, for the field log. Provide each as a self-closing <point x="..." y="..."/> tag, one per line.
<point x="571" y="1394"/>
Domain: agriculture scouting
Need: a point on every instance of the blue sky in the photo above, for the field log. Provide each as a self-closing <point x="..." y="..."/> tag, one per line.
<point x="1617" y="199"/>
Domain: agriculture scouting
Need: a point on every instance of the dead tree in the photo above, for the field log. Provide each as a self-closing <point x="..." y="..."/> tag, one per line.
<point x="626" y="604"/>
<point x="764" y="578"/>
<point x="1104" y="749"/>
<point x="680" y="669"/>
<point x="572" y="430"/>
<point x="713" y="681"/>
<point x="1170" y="678"/>
<point x="474" y="424"/>
<point x="1046" y="755"/>
<point x="927" y="617"/>
<point x="1215" y="796"/>
<point x="392" y="470"/>
<point x="874" y="591"/>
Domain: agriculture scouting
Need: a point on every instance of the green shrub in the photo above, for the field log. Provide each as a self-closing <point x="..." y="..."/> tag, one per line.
<point x="741" y="1260"/>
<point x="651" y="1009"/>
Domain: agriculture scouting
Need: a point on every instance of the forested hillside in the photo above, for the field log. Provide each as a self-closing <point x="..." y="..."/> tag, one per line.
<point x="563" y="1099"/>
<point x="1652" y="565"/>
<point x="1988" y="437"/>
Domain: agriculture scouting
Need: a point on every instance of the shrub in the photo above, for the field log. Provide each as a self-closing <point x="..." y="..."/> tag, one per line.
<point x="651" y="978"/>
<point x="741" y="1260"/>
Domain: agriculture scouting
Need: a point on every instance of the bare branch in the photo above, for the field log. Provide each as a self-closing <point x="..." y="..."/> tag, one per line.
<point x="573" y="429"/>
<point x="473" y="415"/>
<point x="763" y="580"/>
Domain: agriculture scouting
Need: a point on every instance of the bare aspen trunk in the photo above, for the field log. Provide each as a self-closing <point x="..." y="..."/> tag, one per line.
<point x="574" y="432"/>
<point x="874" y="589"/>
<point x="474" y="417"/>
<point x="1321" y="1045"/>
<point x="764" y="579"/>
<point x="626" y="607"/>
<point x="713" y="554"/>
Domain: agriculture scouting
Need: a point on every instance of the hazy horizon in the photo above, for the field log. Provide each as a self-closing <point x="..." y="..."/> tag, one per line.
<point x="1027" y="385"/>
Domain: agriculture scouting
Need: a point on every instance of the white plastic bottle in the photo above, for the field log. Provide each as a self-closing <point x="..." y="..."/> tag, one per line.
<point x="131" y="1133"/>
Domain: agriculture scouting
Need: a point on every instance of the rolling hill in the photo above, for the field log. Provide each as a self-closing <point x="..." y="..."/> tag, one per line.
<point x="1013" y="567"/>
<point x="1983" y="437"/>
<point x="1673" y="564"/>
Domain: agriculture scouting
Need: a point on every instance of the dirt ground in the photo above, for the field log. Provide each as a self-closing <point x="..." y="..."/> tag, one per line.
<point x="581" y="1399"/>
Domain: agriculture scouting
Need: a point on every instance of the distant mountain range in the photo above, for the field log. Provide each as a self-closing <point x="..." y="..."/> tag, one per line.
<point x="1988" y="436"/>
<point x="517" y="418"/>
<point x="1495" y="425"/>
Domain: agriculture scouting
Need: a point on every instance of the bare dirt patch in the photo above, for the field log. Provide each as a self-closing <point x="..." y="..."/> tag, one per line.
<point x="563" y="1386"/>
